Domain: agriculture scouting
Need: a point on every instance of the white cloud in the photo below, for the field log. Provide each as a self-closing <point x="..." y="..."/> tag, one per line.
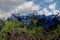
<point x="5" y="0"/>
<point x="46" y="12"/>
<point x="12" y="0"/>
<point x="29" y="7"/>
<point x="49" y="0"/>
<point x="23" y="9"/>
<point x="7" y="5"/>
<point x="55" y="11"/>
<point x="4" y="14"/>
<point x="52" y="6"/>
<point x="26" y="8"/>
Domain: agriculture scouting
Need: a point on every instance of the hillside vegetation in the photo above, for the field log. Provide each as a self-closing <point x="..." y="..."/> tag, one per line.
<point x="13" y="31"/>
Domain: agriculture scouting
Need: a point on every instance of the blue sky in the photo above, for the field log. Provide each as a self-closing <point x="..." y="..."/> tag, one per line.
<point x="23" y="7"/>
<point x="43" y="3"/>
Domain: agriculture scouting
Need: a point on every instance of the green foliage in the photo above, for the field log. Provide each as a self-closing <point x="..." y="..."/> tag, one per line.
<point x="14" y="27"/>
<point x="11" y="27"/>
<point x="58" y="28"/>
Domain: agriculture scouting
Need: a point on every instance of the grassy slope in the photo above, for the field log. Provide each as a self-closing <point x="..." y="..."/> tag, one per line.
<point x="12" y="31"/>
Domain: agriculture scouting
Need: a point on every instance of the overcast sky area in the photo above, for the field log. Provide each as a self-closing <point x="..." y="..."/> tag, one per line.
<point x="23" y="7"/>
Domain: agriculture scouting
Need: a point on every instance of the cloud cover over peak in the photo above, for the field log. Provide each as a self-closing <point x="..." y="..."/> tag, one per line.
<point x="23" y="7"/>
<point x="26" y="8"/>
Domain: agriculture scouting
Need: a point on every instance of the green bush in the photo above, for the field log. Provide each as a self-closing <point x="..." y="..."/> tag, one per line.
<point x="40" y="32"/>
